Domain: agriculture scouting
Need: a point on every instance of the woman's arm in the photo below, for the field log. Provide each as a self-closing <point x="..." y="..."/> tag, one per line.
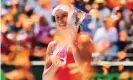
<point x="51" y="66"/>
<point x="83" y="49"/>
<point x="82" y="52"/>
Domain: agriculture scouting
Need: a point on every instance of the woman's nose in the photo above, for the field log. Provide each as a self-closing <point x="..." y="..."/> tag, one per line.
<point x="60" y="20"/>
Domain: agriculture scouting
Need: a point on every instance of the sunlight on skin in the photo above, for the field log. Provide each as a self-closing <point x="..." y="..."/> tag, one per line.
<point x="125" y="75"/>
<point x="105" y="68"/>
<point x="120" y="67"/>
<point x="121" y="55"/>
<point x="105" y="71"/>
<point x="66" y="2"/>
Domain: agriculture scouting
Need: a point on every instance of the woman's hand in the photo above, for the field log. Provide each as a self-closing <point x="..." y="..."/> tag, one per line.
<point x="56" y="61"/>
<point x="84" y="46"/>
<point x="51" y="67"/>
<point x="82" y="50"/>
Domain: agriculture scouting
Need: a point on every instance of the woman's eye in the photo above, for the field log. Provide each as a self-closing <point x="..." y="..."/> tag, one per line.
<point x="64" y="15"/>
<point x="57" y="17"/>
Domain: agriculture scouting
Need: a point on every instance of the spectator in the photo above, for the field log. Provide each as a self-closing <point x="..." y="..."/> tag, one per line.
<point x="43" y="9"/>
<point x="22" y="65"/>
<point x="88" y="7"/>
<point x="105" y="38"/>
<point x="122" y="42"/>
<point x="42" y="32"/>
<point x="104" y="11"/>
<point x="79" y="4"/>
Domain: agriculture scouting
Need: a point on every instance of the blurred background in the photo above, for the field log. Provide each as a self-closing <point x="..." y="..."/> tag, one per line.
<point x="27" y="27"/>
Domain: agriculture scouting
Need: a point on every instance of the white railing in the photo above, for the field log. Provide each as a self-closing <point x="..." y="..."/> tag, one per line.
<point x="95" y="63"/>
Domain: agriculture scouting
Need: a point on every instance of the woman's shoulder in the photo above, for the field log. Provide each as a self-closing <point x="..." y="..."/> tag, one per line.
<point x="51" y="44"/>
<point x="50" y="47"/>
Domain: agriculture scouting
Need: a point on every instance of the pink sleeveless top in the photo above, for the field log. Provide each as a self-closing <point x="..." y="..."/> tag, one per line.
<point x="63" y="73"/>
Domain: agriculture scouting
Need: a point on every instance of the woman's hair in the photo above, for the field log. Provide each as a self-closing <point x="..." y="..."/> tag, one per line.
<point x="81" y="28"/>
<point x="75" y="16"/>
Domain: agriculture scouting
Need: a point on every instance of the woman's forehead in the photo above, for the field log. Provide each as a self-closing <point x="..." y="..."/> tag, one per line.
<point x="60" y="12"/>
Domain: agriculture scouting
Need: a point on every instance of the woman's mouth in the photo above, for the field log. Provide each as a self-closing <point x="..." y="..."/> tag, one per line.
<point x="62" y="25"/>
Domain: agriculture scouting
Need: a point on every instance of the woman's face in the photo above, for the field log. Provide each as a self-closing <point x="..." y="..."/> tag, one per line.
<point x="61" y="18"/>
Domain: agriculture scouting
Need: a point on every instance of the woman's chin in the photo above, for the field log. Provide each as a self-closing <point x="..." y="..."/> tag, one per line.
<point x="62" y="27"/>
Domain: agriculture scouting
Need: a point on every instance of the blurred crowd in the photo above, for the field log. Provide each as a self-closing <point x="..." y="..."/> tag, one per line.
<point x="27" y="27"/>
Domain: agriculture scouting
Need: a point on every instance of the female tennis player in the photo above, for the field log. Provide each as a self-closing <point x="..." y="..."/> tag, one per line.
<point x="68" y="57"/>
